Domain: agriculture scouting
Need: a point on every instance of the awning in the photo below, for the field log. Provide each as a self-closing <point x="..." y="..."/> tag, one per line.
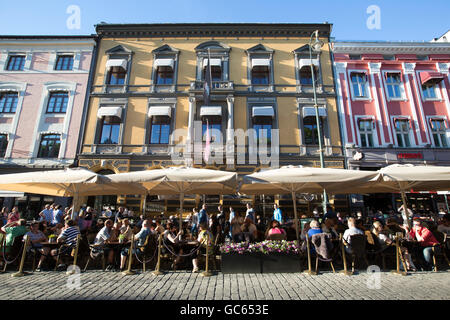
<point x="431" y="77"/>
<point x="214" y="62"/>
<point x="109" y="112"/>
<point x="160" y="111"/>
<point x="260" y="62"/>
<point x="263" y="111"/>
<point x="11" y="194"/>
<point x="117" y="63"/>
<point x="210" y="111"/>
<point x="307" y="62"/>
<point x="164" y="63"/>
<point x="311" y="112"/>
<point x="400" y="118"/>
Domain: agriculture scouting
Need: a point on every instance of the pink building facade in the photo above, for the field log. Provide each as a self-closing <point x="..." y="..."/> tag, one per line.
<point x="43" y="83"/>
<point x="393" y="101"/>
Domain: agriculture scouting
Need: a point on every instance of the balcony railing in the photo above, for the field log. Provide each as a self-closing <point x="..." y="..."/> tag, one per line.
<point x="215" y="85"/>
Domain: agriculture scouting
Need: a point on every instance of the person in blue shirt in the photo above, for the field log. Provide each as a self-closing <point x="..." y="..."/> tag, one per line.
<point x="277" y="213"/>
<point x="315" y="229"/>
<point x="232" y="215"/>
<point x="202" y="216"/>
<point x="58" y="215"/>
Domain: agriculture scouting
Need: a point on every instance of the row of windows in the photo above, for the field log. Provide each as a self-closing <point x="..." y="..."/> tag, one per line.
<point x="17" y="63"/>
<point x="260" y="75"/>
<point x="402" y="132"/>
<point x="359" y="83"/>
<point x="57" y="102"/>
<point x="160" y="129"/>
<point x="48" y="146"/>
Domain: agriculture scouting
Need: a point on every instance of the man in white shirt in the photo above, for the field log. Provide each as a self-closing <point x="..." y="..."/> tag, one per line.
<point x="102" y="238"/>
<point x="352" y="230"/>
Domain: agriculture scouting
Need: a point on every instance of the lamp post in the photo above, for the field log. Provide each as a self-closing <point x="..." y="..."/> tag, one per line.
<point x="317" y="45"/>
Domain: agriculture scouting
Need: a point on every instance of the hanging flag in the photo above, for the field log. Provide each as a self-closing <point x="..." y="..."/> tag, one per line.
<point x="207" y="83"/>
<point x="207" y="145"/>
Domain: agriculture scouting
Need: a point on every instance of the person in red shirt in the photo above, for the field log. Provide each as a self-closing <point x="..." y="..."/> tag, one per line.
<point x="426" y="241"/>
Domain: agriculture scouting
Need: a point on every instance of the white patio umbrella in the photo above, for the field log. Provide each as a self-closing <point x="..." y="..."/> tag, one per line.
<point x="403" y="178"/>
<point x="298" y="179"/>
<point x="70" y="182"/>
<point x="181" y="181"/>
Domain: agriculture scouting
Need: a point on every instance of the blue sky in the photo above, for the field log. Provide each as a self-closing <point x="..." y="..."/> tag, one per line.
<point x="400" y="19"/>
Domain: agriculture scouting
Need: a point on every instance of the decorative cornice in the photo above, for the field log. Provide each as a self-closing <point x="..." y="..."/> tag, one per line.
<point x="408" y="68"/>
<point x="213" y="30"/>
<point x="391" y="47"/>
<point x="374" y="67"/>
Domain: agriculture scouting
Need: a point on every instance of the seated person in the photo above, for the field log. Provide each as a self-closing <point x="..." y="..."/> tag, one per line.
<point x="275" y="229"/>
<point x="171" y="235"/>
<point x="36" y="238"/>
<point x="68" y="237"/>
<point x="352" y="230"/>
<point x="305" y="230"/>
<point x="385" y="242"/>
<point x="12" y="230"/>
<point x="125" y="230"/>
<point x="236" y="232"/>
<point x="249" y="230"/>
<point x="444" y="226"/>
<point x="426" y="242"/>
<point x="108" y="213"/>
<point x="203" y="235"/>
<point x="104" y="237"/>
<point x="329" y="227"/>
<point x="359" y="224"/>
<point x="140" y="238"/>
<point x="115" y="232"/>
<point x="314" y="229"/>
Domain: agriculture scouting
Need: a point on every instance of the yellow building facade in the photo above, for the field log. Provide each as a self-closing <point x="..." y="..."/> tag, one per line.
<point x="149" y="83"/>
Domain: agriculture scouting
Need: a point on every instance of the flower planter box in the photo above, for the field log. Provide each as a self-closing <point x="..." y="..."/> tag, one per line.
<point x="241" y="263"/>
<point x="281" y="263"/>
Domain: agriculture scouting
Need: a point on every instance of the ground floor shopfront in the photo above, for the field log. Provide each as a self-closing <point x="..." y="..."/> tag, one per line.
<point x="157" y="204"/>
<point x="372" y="159"/>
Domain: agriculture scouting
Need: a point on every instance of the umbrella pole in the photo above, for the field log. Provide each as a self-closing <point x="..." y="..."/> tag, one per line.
<point x="405" y="207"/>
<point x="295" y="215"/>
<point x="181" y="210"/>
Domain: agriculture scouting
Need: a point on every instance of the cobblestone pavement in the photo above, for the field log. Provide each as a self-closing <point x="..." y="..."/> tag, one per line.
<point x="187" y="286"/>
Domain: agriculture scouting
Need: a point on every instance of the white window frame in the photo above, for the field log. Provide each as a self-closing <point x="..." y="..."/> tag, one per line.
<point x="366" y="85"/>
<point x="412" y="140"/>
<point x="54" y="58"/>
<point x="447" y="131"/>
<point x="401" y="86"/>
<point x="4" y="58"/>
<point x="43" y="133"/>
<point x="436" y="87"/>
<point x="20" y="88"/>
<point x="374" y="130"/>
<point x="69" y="87"/>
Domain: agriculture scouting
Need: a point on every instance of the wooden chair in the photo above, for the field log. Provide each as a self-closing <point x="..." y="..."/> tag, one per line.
<point x="91" y="258"/>
<point x="318" y="256"/>
<point x="14" y="252"/>
<point x="440" y="249"/>
<point x="376" y="250"/>
<point x="148" y="248"/>
<point x="358" y="249"/>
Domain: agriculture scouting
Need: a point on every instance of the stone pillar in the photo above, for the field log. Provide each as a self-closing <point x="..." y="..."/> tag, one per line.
<point x="190" y="133"/>
<point x="230" y="133"/>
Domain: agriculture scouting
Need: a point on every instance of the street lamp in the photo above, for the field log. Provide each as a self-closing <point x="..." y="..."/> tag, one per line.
<point x="317" y="46"/>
